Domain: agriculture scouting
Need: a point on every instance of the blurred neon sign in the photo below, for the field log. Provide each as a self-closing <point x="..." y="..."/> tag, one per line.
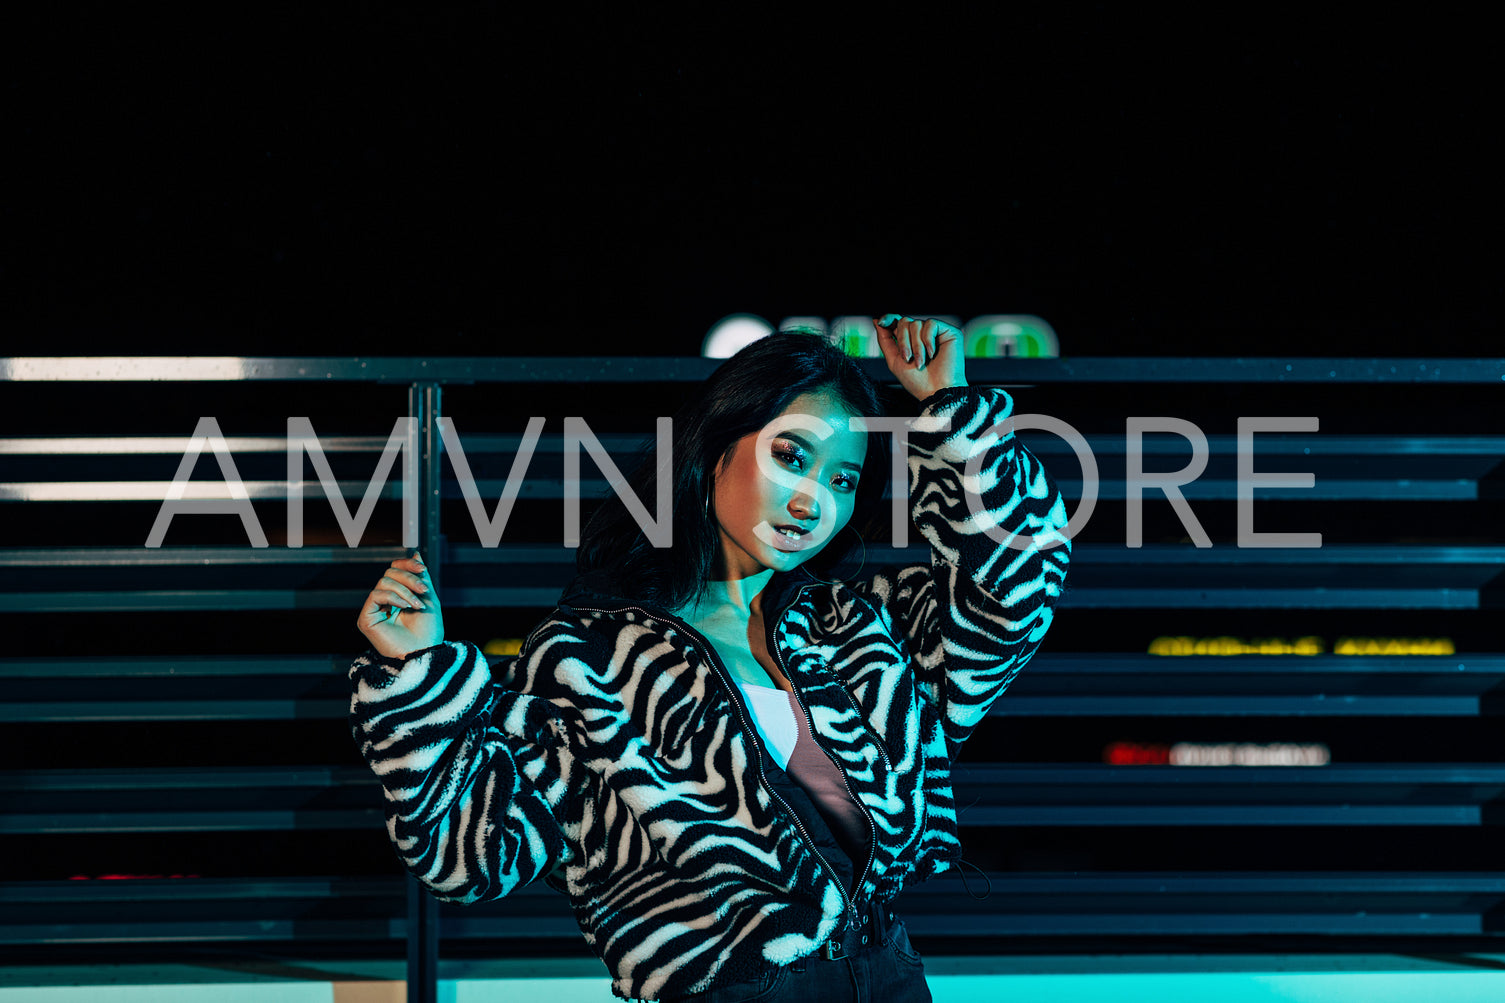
<point x="1185" y="646"/>
<point x="1394" y="646"/>
<point x="1224" y="646"/>
<point x="1216" y="754"/>
<point x="991" y="336"/>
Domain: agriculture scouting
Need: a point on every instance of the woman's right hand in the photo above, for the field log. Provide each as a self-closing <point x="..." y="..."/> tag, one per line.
<point x="402" y="615"/>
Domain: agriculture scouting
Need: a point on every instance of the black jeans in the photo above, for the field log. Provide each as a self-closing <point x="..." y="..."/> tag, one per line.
<point x="884" y="970"/>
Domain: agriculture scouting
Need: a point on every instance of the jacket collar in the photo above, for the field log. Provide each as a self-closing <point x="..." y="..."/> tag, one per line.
<point x="596" y="589"/>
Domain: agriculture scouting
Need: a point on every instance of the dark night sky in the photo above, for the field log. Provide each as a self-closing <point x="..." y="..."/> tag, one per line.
<point x="479" y="181"/>
<point x="488" y="179"/>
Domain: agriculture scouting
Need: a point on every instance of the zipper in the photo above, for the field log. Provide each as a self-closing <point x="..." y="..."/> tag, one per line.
<point x="872" y="846"/>
<point x="752" y="733"/>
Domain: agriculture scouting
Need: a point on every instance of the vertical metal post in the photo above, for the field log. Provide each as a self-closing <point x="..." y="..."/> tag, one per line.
<point x="423" y="908"/>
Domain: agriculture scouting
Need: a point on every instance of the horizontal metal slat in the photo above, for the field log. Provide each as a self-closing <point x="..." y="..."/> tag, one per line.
<point x="1349" y="794"/>
<point x="996" y="795"/>
<point x="190" y="799"/>
<point x="164" y="600"/>
<point x="129" y="688"/>
<point x="1233" y="705"/>
<point x="1393" y="468"/>
<point x="1133" y="905"/>
<point x="1122" y="684"/>
<point x="1176" y="556"/>
<point x="479" y="443"/>
<point x="88" y="558"/>
<point x="675" y="369"/>
<point x="1203" y="904"/>
<point x="177" y="667"/>
<point x="591" y="488"/>
<point x="545" y="593"/>
<point x="1223" y="815"/>
<point x="1475" y="669"/>
<point x="145" y="709"/>
<point x="141" y="688"/>
<point x="1336" y="577"/>
<point x="192" y="778"/>
<point x="1359" y="777"/>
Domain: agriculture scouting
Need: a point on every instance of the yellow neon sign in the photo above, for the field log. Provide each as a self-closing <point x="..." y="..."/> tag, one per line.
<point x="1185" y="646"/>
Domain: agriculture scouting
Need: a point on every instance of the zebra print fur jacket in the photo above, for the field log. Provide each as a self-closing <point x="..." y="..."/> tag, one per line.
<point x="614" y="759"/>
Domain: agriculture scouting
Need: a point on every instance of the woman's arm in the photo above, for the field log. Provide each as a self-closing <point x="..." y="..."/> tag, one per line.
<point x="477" y="777"/>
<point x="973" y="616"/>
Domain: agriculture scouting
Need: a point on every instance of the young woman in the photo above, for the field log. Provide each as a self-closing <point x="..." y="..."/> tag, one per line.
<point x="730" y="765"/>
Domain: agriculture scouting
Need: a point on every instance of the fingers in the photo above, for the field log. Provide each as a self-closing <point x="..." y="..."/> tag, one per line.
<point x="402" y="615"/>
<point x="381" y="606"/>
<point x="399" y="589"/>
<point x="391" y="585"/>
<point x="897" y="330"/>
<point x="908" y="337"/>
<point x="923" y="355"/>
<point x="381" y="609"/>
<point x="918" y="341"/>
<point x="412" y="574"/>
<point x="886" y="344"/>
<point x="919" y="337"/>
<point x="415" y="567"/>
<point x="415" y="581"/>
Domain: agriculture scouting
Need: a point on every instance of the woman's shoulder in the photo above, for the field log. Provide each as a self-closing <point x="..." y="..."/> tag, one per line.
<point x="571" y="631"/>
<point x="869" y="582"/>
<point x="562" y="624"/>
<point x="827" y="602"/>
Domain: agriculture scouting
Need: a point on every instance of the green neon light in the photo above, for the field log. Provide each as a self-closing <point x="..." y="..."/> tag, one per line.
<point x="1010" y="336"/>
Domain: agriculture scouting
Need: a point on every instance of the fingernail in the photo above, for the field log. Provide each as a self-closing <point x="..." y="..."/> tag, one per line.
<point x="418" y="557"/>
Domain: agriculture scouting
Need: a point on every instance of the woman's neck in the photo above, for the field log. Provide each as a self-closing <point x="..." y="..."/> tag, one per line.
<point x="740" y="595"/>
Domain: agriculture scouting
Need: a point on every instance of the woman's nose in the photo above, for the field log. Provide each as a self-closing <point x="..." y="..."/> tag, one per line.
<point x="804" y="507"/>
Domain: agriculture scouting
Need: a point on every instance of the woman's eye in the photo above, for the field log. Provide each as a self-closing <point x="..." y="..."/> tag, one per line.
<point x="847" y="482"/>
<point x="789" y="456"/>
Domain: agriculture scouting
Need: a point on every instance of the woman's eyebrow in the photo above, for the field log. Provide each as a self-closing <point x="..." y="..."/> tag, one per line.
<point x="804" y="444"/>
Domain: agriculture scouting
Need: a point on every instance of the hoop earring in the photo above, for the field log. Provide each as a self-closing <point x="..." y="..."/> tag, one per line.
<point x="861" y="562"/>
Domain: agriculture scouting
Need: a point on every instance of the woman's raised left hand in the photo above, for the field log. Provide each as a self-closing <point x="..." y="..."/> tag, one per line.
<point x="924" y="355"/>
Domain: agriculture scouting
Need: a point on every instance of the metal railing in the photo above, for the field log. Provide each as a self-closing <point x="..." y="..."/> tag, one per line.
<point x="138" y="684"/>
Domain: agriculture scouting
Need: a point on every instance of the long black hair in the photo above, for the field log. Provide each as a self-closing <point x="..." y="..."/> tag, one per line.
<point x="743" y="395"/>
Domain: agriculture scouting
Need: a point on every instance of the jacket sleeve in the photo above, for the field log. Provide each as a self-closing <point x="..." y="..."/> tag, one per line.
<point x="973" y="616"/>
<point x="476" y="775"/>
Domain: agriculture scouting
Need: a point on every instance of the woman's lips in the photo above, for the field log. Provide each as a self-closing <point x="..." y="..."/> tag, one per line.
<point x="788" y="538"/>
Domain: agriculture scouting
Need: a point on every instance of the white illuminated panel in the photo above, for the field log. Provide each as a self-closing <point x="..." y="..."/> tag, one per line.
<point x="153" y="445"/>
<point x="1216" y="754"/>
<point x="816" y="324"/>
<point x="124" y="368"/>
<point x="156" y="491"/>
<point x="1249" y="754"/>
<point x="733" y="333"/>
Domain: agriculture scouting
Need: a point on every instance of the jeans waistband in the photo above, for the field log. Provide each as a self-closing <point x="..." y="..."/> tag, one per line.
<point x="871" y="930"/>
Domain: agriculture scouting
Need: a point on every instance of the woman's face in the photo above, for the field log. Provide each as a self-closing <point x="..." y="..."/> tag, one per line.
<point x="786" y="491"/>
